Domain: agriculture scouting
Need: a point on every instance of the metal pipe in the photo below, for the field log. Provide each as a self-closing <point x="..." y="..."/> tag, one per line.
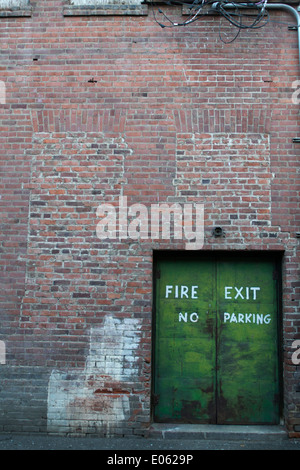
<point x="282" y="6"/>
<point x="270" y="6"/>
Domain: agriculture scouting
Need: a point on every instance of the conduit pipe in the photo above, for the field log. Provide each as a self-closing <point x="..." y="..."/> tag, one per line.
<point x="270" y="6"/>
<point x="282" y="6"/>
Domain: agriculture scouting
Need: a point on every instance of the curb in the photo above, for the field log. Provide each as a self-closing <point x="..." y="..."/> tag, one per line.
<point x="211" y="431"/>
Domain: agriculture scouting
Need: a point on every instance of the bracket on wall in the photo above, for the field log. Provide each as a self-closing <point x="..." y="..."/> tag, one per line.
<point x="296" y="140"/>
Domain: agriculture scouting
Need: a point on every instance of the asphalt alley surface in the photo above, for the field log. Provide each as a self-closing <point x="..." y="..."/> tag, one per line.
<point x="135" y="444"/>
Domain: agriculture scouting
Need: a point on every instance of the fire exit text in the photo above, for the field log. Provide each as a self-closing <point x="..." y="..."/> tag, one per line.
<point x="231" y="292"/>
<point x="235" y="293"/>
<point x="180" y="292"/>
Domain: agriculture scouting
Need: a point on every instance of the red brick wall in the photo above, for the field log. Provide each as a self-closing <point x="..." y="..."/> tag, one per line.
<point x="99" y="107"/>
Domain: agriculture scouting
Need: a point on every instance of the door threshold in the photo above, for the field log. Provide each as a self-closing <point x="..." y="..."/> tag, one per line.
<point x="216" y="431"/>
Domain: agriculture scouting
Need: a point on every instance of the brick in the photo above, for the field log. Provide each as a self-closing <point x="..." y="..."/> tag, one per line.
<point x="133" y="110"/>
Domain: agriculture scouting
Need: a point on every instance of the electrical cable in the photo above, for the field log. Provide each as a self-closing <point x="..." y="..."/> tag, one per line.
<point x="237" y="18"/>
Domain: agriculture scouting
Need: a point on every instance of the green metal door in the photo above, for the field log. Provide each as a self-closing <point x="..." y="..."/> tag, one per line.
<point x="216" y="341"/>
<point x="185" y="342"/>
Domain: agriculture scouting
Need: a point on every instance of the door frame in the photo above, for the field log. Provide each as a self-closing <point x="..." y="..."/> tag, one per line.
<point x="266" y="255"/>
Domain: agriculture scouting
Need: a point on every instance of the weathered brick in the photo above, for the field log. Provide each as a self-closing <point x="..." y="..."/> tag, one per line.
<point x="109" y="104"/>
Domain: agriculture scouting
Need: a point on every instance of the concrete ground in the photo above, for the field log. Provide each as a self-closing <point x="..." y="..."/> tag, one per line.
<point x="162" y="438"/>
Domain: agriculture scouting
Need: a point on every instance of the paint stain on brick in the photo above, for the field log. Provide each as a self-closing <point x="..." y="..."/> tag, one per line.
<point x="6" y="4"/>
<point x="98" y="398"/>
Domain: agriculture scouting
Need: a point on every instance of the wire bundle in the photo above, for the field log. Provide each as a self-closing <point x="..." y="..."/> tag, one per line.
<point x="236" y="13"/>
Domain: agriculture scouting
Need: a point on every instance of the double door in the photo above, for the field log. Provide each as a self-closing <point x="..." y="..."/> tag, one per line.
<point x="216" y="341"/>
